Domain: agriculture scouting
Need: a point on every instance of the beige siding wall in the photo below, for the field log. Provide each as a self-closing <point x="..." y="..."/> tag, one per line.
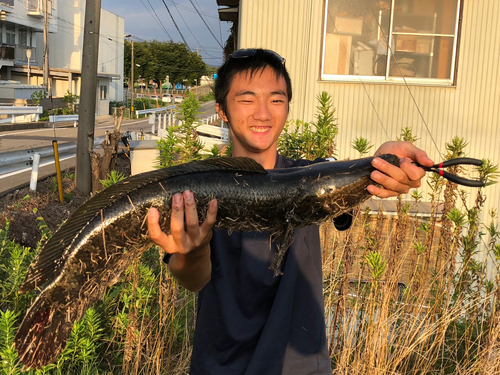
<point x="294" y="29"/>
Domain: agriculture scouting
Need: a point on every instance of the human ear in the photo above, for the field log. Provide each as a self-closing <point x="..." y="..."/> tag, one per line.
<point x="221" y="113"/>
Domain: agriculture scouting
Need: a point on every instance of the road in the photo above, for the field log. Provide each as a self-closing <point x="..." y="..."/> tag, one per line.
<point x="26" y="139"/>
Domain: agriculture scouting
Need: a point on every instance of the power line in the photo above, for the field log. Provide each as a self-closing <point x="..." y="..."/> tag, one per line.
<point x="191" y="1"/>
<point x="190" y="29"/>
<point x="191" y="10"/>
<point x="177" y="27"/>
<point x="157" y="19"/>
<point x="217" y="17"/>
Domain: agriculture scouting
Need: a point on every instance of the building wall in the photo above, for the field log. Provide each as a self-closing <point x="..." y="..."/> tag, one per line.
<point x="18" y="14"/>
<point x="378" y="112"/>
<point x="111" y="51"/>
<point x="66" y="48"/>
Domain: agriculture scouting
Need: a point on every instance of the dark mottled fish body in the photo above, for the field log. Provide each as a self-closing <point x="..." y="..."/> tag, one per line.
<point x="104" y="236"/>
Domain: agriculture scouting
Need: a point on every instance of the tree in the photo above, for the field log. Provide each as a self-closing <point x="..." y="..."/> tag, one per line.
<point x="158" y="60"/>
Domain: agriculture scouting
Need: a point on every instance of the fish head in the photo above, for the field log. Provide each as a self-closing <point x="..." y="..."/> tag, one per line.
<point x="334" y="188"/>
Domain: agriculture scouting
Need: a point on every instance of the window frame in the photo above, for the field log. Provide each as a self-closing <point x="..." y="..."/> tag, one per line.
<point x="387" y="79"/>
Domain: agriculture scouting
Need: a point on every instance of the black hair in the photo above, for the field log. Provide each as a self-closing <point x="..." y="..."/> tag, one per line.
<point x="252" y="64"/>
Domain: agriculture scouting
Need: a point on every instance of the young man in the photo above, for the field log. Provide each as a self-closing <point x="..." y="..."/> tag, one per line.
<point x="250" y="322"/>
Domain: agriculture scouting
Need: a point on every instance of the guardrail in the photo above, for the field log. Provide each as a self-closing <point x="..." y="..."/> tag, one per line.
<point x="20" y="114"/>
<point x="213" y="131"/>
<point x="66" y="118"/>
<point x="153" y="110"/>
<point x="18" y="160"/>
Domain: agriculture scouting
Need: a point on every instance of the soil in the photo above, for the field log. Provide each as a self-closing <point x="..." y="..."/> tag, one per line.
<point x="23" y="207"/>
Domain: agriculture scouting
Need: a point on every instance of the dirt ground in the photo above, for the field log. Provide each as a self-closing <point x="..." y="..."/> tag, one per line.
<point x="23" y="207"/>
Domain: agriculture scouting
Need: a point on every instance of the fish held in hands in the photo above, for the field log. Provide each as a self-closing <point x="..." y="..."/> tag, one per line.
<point x="104" y="236"/>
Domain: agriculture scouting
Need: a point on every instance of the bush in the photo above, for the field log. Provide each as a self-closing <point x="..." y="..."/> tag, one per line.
<point x="142" y="103"/>
<point x="303" y="140"/>
<point x="207" y="98"/>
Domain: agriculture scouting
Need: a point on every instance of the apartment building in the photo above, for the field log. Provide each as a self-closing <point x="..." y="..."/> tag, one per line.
<point x="21" y="51"/>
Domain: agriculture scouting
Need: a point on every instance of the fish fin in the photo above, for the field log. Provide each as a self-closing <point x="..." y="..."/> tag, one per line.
<point x="237" y="164"/>
<point x="51" y="258"/>
<point x="284" y="244"/>
<point x="48" y="323"/>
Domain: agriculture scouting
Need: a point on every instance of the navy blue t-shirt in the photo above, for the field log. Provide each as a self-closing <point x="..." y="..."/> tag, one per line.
<point x="251" y="322"/>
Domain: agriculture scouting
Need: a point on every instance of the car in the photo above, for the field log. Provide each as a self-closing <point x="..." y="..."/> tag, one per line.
<point x="167" y="98"/>
<point x="154" y="97"/>
<point x="178" y="99"/>
<point x="140" y="95"/>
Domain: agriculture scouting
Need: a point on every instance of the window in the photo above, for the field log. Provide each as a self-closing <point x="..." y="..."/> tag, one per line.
<point x="104" y="92"/>
<point x="23" y="36"/>
<point x="387" y="40"/>
<point x="10" y="33"/>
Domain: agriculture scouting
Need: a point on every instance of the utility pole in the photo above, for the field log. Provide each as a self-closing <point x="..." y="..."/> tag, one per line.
<point x="131" y="75"/>
<point x="88" y="93"/>
<point x="46" y="45"/>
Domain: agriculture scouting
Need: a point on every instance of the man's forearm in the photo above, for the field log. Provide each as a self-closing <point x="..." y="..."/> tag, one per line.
<point x="193" y="270"/>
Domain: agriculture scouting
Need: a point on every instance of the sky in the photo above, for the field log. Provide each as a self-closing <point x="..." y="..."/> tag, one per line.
<point x="149" y="19"/>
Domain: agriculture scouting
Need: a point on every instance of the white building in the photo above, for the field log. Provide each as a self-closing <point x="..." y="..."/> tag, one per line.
<point x="21" y="30"/>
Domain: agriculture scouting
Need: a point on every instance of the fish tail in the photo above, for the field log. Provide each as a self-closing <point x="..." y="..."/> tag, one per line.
<point x="43" y="334"/>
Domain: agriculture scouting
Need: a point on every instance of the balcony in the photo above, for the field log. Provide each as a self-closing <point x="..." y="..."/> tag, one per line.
<point x="21" y="56"/>
<point x="7" y="52"/>
<point x="9" y="3"/>
<point x="35" y="8"/>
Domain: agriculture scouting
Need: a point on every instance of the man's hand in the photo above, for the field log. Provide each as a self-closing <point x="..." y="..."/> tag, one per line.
<point x="188" y="241"/>
<point x="186" y="238"/>
<point x="400" y="180"/>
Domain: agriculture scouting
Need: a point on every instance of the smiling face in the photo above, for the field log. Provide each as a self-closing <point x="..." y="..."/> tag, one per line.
<point x="257" y="109"/>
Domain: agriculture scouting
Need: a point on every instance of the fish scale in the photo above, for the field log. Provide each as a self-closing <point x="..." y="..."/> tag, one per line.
<point x="95" y="246"/>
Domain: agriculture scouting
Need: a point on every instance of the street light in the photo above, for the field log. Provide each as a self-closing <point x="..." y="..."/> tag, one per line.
<point x="131" y="75"/>
<point x="28" y="56"/>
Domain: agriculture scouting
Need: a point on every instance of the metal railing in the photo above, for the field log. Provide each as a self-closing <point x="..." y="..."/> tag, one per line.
<point x="153" y="110"/>
<point x="66" y="118"/>
<point x="20" y="114"/>
<point x="7" y="52"/>
<point x="20" y="54"/>
<point x="16" y="161"/>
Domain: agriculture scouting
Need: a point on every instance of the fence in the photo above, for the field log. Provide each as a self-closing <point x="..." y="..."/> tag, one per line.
<point x="19" y="160"/>
<point x="66" y="118"/>
<point x="153" y="110"/>
<point x="20" y="114"/>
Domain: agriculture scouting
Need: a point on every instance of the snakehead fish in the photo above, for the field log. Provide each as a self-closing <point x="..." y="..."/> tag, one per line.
<point x="104" y="236"/>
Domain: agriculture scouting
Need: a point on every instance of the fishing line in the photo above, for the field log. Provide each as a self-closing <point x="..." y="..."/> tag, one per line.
<point x="389" y="49"/>
<point x="344" y="47"/>
<point x="389" y="54"/>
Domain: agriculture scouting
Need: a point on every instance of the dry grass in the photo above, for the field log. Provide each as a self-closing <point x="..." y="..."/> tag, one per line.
<point x="407" y="296"/>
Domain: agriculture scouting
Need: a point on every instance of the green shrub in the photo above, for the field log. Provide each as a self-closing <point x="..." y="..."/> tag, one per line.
<point x="304" y="140"/>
